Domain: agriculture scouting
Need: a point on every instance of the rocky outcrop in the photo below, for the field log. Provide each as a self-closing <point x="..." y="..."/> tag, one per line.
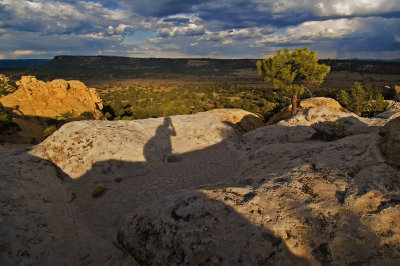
<point x="188" y="190"/>
<point x="391" y="144"/>
<point x="35" y="102"/>
<point x="306" y="104"/>
<point x="321" y="102"/>
<point x="397" y="93"/>
<point x="298" y="201"/>
<point x="78" y="145"/>
<point x="51" y="99"/>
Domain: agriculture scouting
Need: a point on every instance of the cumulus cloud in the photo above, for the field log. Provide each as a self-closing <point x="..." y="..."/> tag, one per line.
<point x="357" y="7"/>
<point x="58" y="17"/>
<point x="221" y="28"/>
<point x="180" y="25"/>
<point x="336" y="28"/>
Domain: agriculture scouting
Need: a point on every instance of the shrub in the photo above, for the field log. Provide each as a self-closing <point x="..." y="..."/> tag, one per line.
<point x="363" y="101"/>
<point x="70" y="115"/>
<point x="49" y="130"/>
<point x="4" y="114"/>
<point x="5" y="88"/>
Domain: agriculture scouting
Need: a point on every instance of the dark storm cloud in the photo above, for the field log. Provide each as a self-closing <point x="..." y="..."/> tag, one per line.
<point x="377" y="34"/>
<point x="159" y="8"/>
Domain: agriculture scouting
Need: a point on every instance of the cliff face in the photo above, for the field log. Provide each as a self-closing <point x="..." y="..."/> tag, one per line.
<point x="188" y="190"/>
<point x="36" y="101"/>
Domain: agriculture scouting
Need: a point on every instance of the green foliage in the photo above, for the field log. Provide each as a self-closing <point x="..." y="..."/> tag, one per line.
<point x="142" y="103"/>
<point x="72" y="116"/>
<point x="68" y="116"/>
<point x="4" y="114"/>
<point x="5" y="88"/>
<point x="293" y="72"/>
<point x="362" y="100"/>
<point x="49" y="130"/>
<point x="7" y="127"/>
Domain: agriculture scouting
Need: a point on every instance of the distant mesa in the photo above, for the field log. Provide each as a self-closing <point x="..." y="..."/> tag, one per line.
<point x="65" y="61"/>
<point x="18" y="63"/>
<point x="36" y="103"/>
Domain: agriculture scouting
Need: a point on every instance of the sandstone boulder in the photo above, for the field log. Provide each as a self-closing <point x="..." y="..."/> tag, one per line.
<point x="392" y="112"/>
<point x="321" y="102"/>
<point x="35" y="102"/>
<point x="391" y="144"/>
<point x="298" y="201"/>
<point x="397" y="92"/>
<point x="275" y="195"/>
<point x="76" y="146"/>
<point x="306" y="104"/>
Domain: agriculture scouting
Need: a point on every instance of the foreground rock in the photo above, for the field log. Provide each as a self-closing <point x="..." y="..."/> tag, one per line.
<point x="35" y="102"/>
<point x="314" y="189"/>
<point x="79" y="145"/>
<point x="391" y="145"/>
<point x="299" y="200"/>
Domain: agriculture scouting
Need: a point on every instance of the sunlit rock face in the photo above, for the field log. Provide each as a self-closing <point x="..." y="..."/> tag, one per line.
<point x="36" y="101"/>
<point x="314" y="189"/>
<point x="285" y="113"/>
<point x="76" y="146"/>
<point x="189" y="190"/>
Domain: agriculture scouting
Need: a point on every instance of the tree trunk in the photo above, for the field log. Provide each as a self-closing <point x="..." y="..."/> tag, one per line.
<point x="294" y="104"/>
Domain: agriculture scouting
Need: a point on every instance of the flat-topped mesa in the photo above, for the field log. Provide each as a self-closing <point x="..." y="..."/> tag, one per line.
<point x="35" y="102"/>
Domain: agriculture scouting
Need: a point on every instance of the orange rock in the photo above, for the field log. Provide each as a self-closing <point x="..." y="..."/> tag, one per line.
<point x="36" y="101"/>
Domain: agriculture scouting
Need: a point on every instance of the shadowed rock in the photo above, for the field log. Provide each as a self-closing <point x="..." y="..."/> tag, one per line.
<point x="391" y="144"/>
<point x="274" y="195"/>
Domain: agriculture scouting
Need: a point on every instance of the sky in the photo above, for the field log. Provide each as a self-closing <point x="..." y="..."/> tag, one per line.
<point x="368" y="29"/>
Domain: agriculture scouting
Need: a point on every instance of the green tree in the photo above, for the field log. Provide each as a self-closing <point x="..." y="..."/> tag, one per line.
<point x="292" y="72"/>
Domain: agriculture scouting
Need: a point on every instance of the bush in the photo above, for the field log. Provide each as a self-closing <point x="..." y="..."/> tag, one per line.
<point x="4" y="114"/>
<point x="142" y="103"/>
<point x="49" y="130"/>
<point x="5" y="88"/>
<point x="363" y="101"/>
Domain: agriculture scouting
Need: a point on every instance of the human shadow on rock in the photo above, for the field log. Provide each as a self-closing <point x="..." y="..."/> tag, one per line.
<point x="159" y="147"/>
<point x="176" y="215"/>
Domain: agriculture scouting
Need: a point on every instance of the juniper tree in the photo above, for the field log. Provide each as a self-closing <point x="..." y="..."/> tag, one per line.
<point x="293" y="72"/>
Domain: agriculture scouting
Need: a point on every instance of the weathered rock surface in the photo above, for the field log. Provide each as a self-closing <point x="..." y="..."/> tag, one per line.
<point x="76" y="146"/>
<point x="283" y="194"/>
<point x="306" y="104"/>
<point x="391" y="144"/>
<point x="36" y="101"/>
<point x="392" y="112"/>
